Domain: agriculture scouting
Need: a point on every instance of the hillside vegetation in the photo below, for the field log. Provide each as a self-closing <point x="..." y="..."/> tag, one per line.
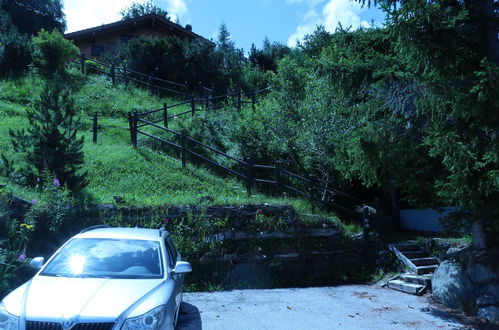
<point x="117" y="171"/>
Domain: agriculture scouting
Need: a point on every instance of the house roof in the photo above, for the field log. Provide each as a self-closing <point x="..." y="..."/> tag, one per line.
<point x="151" y="19"/>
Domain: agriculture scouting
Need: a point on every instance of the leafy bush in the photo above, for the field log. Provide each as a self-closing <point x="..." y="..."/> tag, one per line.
<point x="14" y="238"/>
<point x="48" y="213"/>
<point x="51" y="52"/>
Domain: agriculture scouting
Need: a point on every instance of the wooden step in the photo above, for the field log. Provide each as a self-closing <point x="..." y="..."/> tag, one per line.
<point x="415" y="279"/>
<point x="426" y="269"/>
<point x="415" y="254"/>
<point x="403" y="286"/>
<point x="424" y="261"/>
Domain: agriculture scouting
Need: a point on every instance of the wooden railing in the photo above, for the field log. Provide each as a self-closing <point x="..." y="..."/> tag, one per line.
<point x="281" y="179"/>
<point x="120" y="73"/>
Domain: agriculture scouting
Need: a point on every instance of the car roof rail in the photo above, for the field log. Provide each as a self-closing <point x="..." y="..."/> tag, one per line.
<point x="94" y="227"/>
<point x="162" y="230"/>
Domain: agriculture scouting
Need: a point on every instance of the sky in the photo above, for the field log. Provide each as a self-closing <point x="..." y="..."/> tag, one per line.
<point x="248" y="21"/>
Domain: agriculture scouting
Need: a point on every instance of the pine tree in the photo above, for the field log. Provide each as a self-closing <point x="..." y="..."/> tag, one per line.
<point x="50" y="143"/>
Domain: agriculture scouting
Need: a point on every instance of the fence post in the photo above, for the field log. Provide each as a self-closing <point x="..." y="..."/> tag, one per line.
<point x="277" y="177"/>
<point x="125" y="76"/>
<point x="132" y="122"/>
<point x="239" y="100"/>
<point x="249" y="176"/>
<point x="193" y="106"/>
<point x="165" y="115"/>
<point x="113" y="74"/>
<point x="253" y="100"/>
<point x="94" y="128"/>
<point x="183" y="143"/>
<point x="82" y="63"/>
<point x="130" y="125"/>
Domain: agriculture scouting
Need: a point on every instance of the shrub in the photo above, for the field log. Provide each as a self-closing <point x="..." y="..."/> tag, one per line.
<point x="47" y="214"/>
<point x="51" y="52"/>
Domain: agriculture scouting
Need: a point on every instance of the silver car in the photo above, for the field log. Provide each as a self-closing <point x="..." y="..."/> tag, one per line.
<point x="102" y="279"/>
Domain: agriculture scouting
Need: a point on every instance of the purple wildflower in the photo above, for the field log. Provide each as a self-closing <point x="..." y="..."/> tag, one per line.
<point x="166" y="221"/>
<point x="56" y="182"/>
<point x="34" y="201"/>
<point x="22" y="257"/>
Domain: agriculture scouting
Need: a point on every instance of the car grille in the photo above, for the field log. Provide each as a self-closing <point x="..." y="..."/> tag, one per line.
<point x="36" y="325"/>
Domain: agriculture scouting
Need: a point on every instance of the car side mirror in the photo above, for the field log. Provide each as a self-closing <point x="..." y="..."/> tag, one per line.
<point x="182" y="267"/>
<point x="37" y="262"/>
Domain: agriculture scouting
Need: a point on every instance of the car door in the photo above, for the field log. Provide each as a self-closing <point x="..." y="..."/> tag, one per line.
<point x="173" y="257"/>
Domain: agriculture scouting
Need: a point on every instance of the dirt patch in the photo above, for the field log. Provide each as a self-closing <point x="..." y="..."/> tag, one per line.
<point x="415" y="324"/>
<point x="363" y="294"/>
<point x="385" y="309"/>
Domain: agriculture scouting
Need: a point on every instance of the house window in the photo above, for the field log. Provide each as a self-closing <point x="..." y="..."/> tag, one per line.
<point x="97" y="50"/>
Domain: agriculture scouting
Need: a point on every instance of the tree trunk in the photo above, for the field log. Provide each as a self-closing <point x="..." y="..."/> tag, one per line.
<point x="478" y="234"/>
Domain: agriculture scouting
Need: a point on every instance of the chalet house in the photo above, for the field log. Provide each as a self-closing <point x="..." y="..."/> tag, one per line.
<point x="105" y="38"/>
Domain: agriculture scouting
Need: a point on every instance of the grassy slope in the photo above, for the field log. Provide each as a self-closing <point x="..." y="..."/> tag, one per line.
<point x="140" y="176"/>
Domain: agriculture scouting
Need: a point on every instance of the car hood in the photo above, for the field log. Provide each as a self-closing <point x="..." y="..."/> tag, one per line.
<point x="60" y="297"/>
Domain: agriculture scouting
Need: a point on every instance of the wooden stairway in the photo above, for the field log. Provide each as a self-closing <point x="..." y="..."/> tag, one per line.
<point x="420" y="263"/>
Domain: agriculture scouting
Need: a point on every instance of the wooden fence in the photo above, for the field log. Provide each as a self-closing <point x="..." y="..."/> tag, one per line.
<point x="276" y="176"/>
<point x="234" y="99"/>
<point x="120" y="73"/>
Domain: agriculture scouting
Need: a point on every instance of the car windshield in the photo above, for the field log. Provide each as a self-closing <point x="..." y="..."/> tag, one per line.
<point x="107" y="258"/>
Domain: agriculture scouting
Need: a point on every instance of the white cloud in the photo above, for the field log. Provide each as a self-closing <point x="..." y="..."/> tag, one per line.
<point x="176" y="8"/>
<point x="333" y="13"/>
<point x="89" y="13"/>
<point x="342" y="11"/>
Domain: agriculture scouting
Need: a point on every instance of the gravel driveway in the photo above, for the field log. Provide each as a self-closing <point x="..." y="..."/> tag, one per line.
<point x="341" y="307"/>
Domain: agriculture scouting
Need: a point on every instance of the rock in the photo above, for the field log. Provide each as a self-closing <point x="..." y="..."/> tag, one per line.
<point x="487" y="300"/>
<point x="490" y="313"/>
<point x="480" y="274"/>
<point x="451" y="285"/>
<point x="455" y="250"/>
<point x="490" y="290"/>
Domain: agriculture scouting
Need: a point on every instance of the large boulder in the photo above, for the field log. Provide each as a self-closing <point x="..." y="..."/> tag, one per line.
<point x="480" y="274"/>
<point x="489" y="313"/>
<point x="451" y="285"/>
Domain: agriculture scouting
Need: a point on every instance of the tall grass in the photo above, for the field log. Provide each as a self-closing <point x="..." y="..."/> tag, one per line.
<point x="147" y="175"/>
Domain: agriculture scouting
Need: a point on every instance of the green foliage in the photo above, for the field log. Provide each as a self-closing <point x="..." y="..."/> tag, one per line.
<point x="266" y="59"/>
<point x="50" y="142"/>
<point x="98" y="95"/>
<point x="30" y="16"/>
<point x="15" y="48"/>
<point x="51" y="53"/>
<point x="137" y="9"/>
<point x="49" y="212"/>
<point x="230" y="60"/>
<point x="13" y="241"/>
<point x="174" y="59"/>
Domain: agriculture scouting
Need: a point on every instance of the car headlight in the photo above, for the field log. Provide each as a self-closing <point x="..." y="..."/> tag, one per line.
<point x="7" y="320"/>
<point x="153" y="319"/>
